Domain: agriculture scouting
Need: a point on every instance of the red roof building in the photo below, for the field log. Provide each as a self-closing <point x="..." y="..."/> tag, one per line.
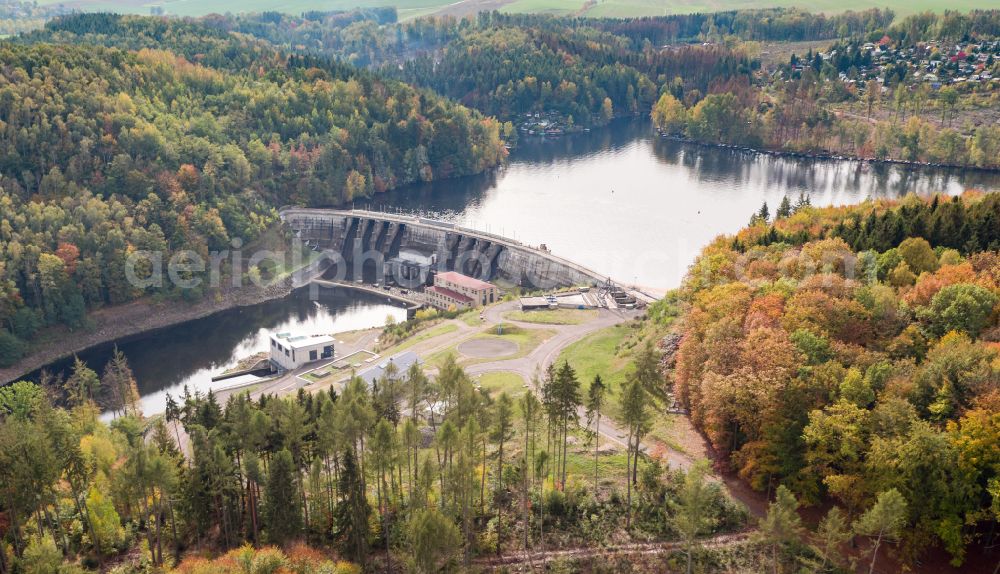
<point x="454" y="290"/>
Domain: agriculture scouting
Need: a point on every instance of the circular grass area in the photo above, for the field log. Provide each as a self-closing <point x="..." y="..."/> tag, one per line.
<point x="487" y="348"/>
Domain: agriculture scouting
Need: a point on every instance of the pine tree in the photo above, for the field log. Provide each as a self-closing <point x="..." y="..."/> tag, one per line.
<point x="531" y="412"/>
<point x="764" y="214"/>
<point x="416" y="383"/>
<point x="636" y="418"/>
<point x="803" y="201"/>
<point x="383" y="454"/>
<point x="282" y="512"/>
<point x="883" y="521"/>
<point x="83" y="384"/>
<point x="831" y="533"/>
<point x="433" y="540"/>
<point x="595" y="403"/>
<point x="503" y="430"/>
<point x="119" y="380"/>
<point x="784" y="208"/>
<point x="567" y="396"/>
<point x="352" y="511"/>
<point x="692" y="515"/>
<point x="782" y="524"/>
<point x="647" y="371"/>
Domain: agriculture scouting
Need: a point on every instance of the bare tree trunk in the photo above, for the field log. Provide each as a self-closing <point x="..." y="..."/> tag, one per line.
<point x="253" y="512"/>
<point x="878" y="542"/>
<point x="385" y="525"/>
<point x="482" y="483"/>
<point x="628" y="479"/>
<point x="597" y="446"/>
<point x="565" y="447"/>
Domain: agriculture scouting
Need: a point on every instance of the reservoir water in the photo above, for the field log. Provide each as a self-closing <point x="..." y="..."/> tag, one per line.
<point x="639" y="208"/>
<point x="190" y="354"/>
<point x="619" y="200"/>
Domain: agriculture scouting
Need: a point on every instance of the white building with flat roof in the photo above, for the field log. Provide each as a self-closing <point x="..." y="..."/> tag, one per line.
<point x="289" y="352"/>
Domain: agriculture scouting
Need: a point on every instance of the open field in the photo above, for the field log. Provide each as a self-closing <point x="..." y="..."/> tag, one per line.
<point x="525" y="340"/>
<point x="579" y="455"/>
<point x="596" y="354"/>
<point x="601" y="8"/>
<point x="503" y="382"/>
<point x="419" y="336"/>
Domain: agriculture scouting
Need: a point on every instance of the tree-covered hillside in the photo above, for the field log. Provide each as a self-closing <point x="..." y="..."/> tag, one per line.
<point x="106" y="151"/>
<point x="850" y="352"/>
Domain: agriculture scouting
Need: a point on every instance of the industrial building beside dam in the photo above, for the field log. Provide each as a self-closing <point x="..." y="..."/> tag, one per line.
<point x="408" y="248"/>
<point x="440" y="263"/>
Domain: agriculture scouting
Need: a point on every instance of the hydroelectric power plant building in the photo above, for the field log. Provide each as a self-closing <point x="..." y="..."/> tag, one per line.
<point x="453" y="289"/>
<point x="290" y="352"/>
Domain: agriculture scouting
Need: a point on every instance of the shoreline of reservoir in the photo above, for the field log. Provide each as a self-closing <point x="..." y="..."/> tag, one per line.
<point x="136" y="319"/>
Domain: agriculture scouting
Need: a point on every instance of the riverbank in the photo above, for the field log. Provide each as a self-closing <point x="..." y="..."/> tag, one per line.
<point x="132" y="319"/>
<point x="826" y="155"/>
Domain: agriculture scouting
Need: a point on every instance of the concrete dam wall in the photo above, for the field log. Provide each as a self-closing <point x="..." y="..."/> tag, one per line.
<point x="404" y="248"/>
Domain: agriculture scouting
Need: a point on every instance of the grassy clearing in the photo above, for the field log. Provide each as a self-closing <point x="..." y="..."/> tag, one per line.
<point x="526" y="339"/>
<point x="610" y="466"/>
<point x="352" y="337"/>
<point x="580" y="454"/>
<point x="554" y="316"/>
<point x="503" y="382"/>
<point x="421" y="336"/>
<point x="602" y="8"/>
<point x="597" y="354"/>
<point x="471" y="318"/>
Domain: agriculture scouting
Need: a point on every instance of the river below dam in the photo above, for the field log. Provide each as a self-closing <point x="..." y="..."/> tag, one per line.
<point x="619" y="200"/>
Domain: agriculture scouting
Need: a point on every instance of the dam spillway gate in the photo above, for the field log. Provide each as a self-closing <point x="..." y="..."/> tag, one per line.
<point x="405" y="249"/>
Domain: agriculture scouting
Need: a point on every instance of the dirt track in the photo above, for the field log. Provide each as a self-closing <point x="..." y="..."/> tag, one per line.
<point x="639" y="548"/>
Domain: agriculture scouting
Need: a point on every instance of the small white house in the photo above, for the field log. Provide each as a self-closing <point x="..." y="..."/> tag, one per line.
<point x="289" y="352"/>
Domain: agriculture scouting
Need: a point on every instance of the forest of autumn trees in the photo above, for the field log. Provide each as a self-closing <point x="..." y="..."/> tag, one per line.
<point x="501" y="65"/>
<point x="509" y="66"/>
<point x="412" y="473"/>
<point x="809" y="109"/>
<point x="848" y="352"/>
<point x="106" y="151"/>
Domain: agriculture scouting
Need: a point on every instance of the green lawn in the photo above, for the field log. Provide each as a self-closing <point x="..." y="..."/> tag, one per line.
<point x="603" y="8"/>
<point x="471" y="318"/>
<point x="553" y="316"/>
<point x="421" y="336"/>
<point x="579" y="457"/>
<point x="526" y="339"/>
<point x="503" y="382"/>
<point x="596" y="354"/>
